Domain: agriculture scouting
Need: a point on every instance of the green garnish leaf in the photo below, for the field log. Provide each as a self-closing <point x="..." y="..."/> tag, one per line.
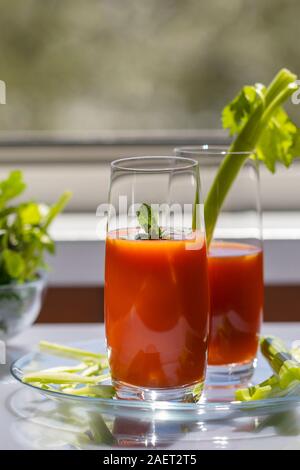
<point x="148" y="220"/>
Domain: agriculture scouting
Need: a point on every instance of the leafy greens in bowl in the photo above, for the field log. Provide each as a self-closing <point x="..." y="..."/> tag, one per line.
<point x="24" y="241"/>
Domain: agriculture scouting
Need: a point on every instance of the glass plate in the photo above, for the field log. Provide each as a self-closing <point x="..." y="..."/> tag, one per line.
<point x="216" y="403"/>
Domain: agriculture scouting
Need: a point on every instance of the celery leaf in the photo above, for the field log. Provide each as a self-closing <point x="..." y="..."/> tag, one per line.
<point x="279" y="142"/>
<point x="236" y="113"/>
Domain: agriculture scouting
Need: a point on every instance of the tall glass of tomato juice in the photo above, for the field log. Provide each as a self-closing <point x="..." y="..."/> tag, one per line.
<point x="156" y="280"/>
<point x="235" y="265"/>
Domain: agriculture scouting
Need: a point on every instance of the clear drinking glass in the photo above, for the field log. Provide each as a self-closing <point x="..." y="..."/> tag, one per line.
<point x="156" y="279"/>
<point x="235" y="262"/>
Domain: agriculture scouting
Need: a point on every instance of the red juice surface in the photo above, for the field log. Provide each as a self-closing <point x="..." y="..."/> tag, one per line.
<point x="236" y="292"/>
<point x="156" y="311"/>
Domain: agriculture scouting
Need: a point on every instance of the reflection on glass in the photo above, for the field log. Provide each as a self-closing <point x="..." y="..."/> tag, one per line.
<point x="40" y="423"/>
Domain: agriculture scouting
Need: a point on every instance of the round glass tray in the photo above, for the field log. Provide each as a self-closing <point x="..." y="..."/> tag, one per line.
<point x="215" y="404"/>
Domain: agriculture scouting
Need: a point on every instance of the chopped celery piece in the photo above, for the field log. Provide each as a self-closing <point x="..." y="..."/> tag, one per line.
<point x="91" y="370"/>
<point x="63" y="378"/>
<point x="71" y="369"/>
<point x="99" y="391"/>
<point x="295" y="351"/>
<point x="286" y="377"/>
<point x="281" y="360"/>
<point x="67" y="351"/>
<point x="259" y="394"/>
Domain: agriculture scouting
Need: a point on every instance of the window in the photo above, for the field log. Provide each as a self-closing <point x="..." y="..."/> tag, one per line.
<point x="87" y="82"/>
<point x="91" y="81"/>
<point x="75" y="66"/>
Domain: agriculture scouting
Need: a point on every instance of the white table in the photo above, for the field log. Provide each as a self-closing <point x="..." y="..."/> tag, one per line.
<point x="21" y="427"/>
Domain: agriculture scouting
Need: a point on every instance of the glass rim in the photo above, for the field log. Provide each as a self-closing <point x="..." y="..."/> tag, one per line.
<point x="179" y="163"/>
<point x="206" y="149"/>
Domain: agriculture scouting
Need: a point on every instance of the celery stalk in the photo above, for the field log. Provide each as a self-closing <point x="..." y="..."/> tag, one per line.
<point x="63" y="378"/>
<point x="91" y="370"/>
<point x="67" y="351"/>
<point x="281" y="360"/>
<point x="88" y="372"/>
<point x="295" y="351"/>
<point x="286" y="377"/>
<point x="260" y="393"/>
<point x="72" y="369"/>
<point x="99" y="391"/>
<point x="281" y="88"/>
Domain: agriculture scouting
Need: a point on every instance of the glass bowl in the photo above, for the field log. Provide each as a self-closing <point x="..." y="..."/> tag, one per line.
<point x="20" y="305"/>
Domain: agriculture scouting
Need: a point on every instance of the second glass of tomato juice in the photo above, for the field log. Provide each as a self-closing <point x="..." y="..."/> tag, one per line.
<point x="235" y="265"/>
<point x="156" y="279"/>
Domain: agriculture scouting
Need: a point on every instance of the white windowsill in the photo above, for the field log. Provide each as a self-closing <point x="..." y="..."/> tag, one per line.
<point x="87" y="227"/>
<point x="79" y="258"/>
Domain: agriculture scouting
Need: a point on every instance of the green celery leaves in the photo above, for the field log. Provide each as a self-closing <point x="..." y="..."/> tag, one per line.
<point x="24" y="236"/>
<point x="236" y="113"/>
<point x="261" y="129"/>
<point x="279" y="140"/>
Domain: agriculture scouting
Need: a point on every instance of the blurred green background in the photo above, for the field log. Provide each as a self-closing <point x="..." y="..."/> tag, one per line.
<point x="138" y="64"/>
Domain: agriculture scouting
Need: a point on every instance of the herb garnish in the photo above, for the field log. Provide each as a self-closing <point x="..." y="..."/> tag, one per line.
<point x="259" y="123"/>
<point x="148" y="220"/>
